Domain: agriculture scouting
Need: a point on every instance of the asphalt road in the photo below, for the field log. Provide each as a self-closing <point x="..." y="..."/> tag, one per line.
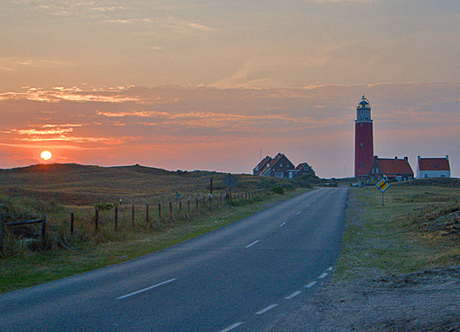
<point x="241" y="277"/>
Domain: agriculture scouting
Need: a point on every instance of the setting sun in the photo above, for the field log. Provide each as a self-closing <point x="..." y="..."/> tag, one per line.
<point x="46" y="155"/>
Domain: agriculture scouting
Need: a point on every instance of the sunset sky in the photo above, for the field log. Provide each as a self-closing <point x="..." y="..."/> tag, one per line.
<point x="215" y="85"/>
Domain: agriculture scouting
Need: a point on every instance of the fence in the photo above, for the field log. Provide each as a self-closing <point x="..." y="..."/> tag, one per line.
<point x="115" y="217"/>
<point x="165" y="212"/>
<point x="4" y="226"/>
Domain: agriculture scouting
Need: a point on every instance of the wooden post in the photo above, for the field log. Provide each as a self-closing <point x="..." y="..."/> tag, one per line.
<point x="71" y="223"/>
<point x="132" y="215"/>
<point x="159" y="210"/>
<point x="2" y="230"/>
<point x="180" y="206"/>
<point x="170" y="209"/>
<point x="146" y="213"/>
<point x="96" y="219"/>
<point x="197" y="204"/>
<point x="43" y="229"/>
<point x="115" y="224"/>
<point x="188" y="203"/>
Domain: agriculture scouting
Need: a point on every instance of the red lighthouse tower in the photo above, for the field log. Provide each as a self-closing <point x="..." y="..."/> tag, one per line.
<point x="364" y="139"/>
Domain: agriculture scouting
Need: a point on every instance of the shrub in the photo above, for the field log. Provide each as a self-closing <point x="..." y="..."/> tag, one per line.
<point x="278" y="190"/>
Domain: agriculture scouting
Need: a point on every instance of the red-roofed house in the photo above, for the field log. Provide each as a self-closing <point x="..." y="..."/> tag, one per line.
<point x="391" y="169"/>
<point x="281" y="167"/>
<point x="433" y="168"/>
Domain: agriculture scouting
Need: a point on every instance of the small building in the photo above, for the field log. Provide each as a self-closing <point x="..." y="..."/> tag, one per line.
<point x="391" y="169"/>
<point x="433" y="168"/>
<point x="281" y="167"/>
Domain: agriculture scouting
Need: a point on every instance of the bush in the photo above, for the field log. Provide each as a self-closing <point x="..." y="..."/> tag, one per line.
<point x="278" y="190"/>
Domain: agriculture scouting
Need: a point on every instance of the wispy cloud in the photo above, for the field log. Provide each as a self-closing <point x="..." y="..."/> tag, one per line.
<point x="185" y="127"/>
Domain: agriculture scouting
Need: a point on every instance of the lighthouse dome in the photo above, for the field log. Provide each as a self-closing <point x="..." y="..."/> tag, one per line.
<point x="364" y="103"/>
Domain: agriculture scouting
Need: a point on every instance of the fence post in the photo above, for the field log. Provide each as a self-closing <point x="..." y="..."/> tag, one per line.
<point x="2" y="230"/>
<point x="146" y="213"/>
<point x="197" y="204"/>
<point x="132" y="214"/>
<point x="170" y="209"/>
<point x="71" y="223"/>
<point x="115" y="226"/>
<point x="180" y="206"/>
<point x="188" y="203"/>
<point x="43" y="229"/>
<point x="159" y="210"/>
<point x="96" y="219"/>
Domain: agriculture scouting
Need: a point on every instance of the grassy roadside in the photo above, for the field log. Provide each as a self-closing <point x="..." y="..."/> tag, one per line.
<point x="32" y="268"/>
<point x="416" y="229"/>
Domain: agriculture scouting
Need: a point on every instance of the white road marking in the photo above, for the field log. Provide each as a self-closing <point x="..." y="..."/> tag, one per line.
<point x="270" y="307"/>
<point x="330" y="268"/>
<point x="284" y="223"/>
<point x="146" y="289"/>
<point x="253" y="243"/>
<point x="299" y="212"/>
<point x="322" y="276"/>
<point x="232" y="327"/>
<point x="292" y="295"/>
<point x="308" y="205"/>
<point x="311" y="284"/>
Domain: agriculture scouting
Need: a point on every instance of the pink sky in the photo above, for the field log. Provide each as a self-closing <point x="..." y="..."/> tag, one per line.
<point x="225" y="130"/>
<point x="214" y="84"/>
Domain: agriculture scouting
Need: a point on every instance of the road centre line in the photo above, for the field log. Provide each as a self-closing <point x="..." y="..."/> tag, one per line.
<point x="270" y="307"/>
<point x="293" y="295"/>
<point x="330" y="268"/>
<point x="253" y="243"/>
<point x="323" y="275"/>
<point x="232" y="327"/>
<point x="146" y="289"/>
<point x="311" y="284"/>
<point x="284" y="223"/>
<point x="299" y="212"/>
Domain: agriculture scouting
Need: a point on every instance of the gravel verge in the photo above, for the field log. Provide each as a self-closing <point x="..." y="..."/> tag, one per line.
<point x="422" y="301"/>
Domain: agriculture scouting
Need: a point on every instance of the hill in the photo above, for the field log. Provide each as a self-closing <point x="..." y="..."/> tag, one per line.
<point x="74" y="184"/>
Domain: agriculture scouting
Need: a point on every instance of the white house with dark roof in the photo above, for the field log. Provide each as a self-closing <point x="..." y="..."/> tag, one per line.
<point x="433" y="168"/>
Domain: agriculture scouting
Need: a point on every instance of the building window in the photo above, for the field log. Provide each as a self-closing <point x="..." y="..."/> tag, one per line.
<point x="361" y="144"/>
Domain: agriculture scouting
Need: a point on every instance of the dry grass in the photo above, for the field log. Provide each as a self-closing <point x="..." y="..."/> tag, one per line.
<point x="417" y="228"/>
<point x="59" y="190"/>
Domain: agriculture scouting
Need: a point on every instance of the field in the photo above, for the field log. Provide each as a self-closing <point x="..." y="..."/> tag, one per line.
<point x="418" y="227"/>
<point x="178" y="205"/>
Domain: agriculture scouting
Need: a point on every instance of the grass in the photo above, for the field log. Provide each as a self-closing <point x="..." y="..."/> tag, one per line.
<point x="32" y="268"/>
<point x="58" y="190"/>
<point x="416" y="229"/>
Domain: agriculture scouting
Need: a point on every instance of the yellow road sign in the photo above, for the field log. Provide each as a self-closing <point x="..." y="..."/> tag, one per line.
<point x="383" y="185"/>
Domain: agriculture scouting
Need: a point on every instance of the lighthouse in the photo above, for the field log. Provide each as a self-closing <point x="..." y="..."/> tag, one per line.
<point x="364" y="139"/>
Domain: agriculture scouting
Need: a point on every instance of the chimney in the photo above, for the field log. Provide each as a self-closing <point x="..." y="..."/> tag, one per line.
<point x="447" y="157"/>
<point x="419" y="158"/>
<point x="406" y="159"/>
<point x="396" y="158"/>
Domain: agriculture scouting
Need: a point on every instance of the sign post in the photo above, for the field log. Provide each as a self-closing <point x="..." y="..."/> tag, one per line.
<point x="230" y="181"/>
<point x="383" y="185"/>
